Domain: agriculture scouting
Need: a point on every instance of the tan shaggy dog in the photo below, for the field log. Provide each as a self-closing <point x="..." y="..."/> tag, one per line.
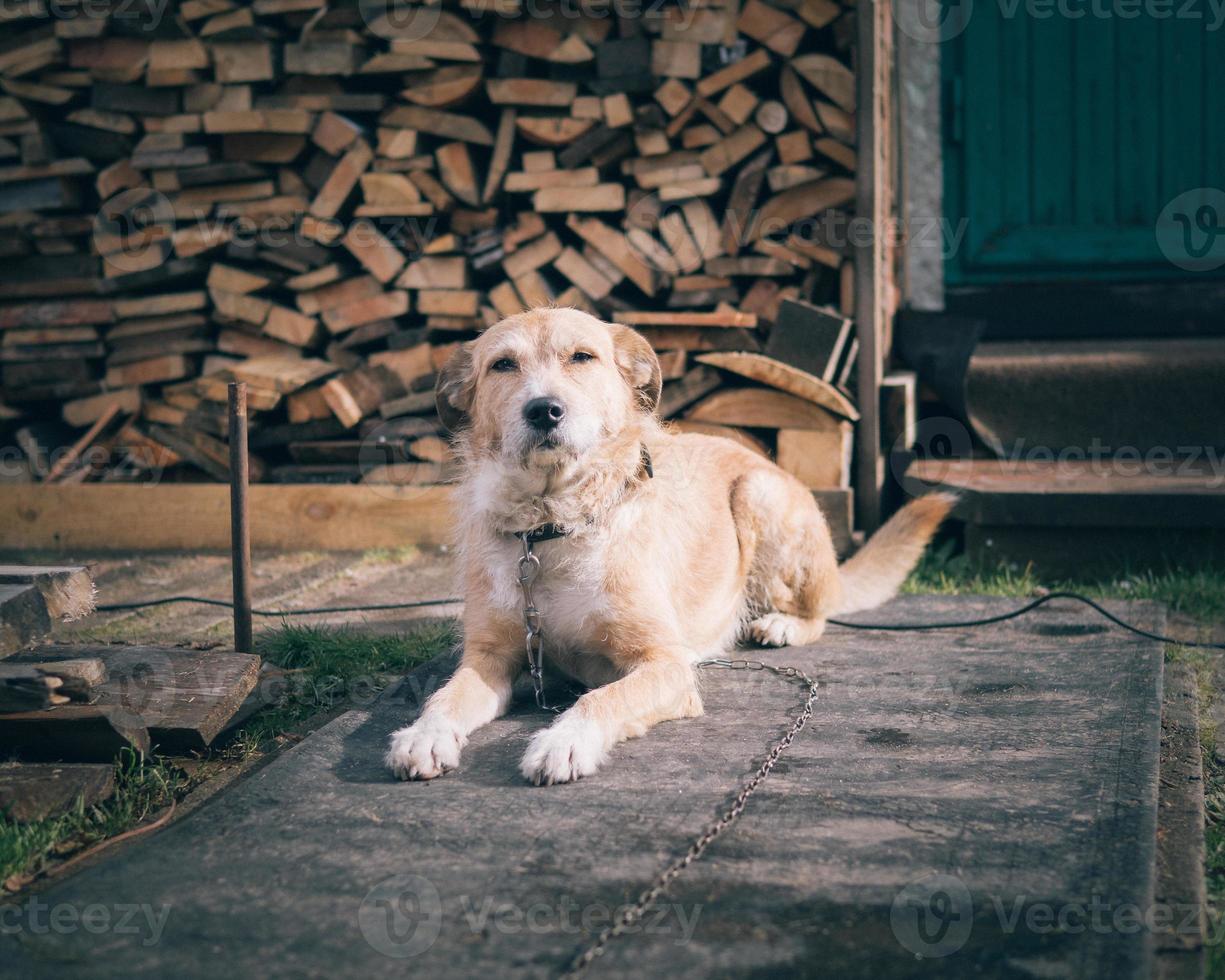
<point x="552" y="410"/>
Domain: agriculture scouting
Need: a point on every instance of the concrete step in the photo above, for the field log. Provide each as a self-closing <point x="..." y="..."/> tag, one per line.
<point x="1106" y="396"/>
<point x="1079" y="516"/>
<point x="952" y="795"/>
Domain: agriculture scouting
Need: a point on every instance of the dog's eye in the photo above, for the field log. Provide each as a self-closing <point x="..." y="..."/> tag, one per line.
<point x="581" y="357"/>
<point x="503" y="364"/>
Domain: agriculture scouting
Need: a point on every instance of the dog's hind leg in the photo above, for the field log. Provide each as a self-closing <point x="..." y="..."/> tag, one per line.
<point x="659" y="687"/>
<point x="793" y="575"/>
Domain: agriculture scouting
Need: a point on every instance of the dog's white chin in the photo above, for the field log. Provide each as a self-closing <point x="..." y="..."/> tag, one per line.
<point x="556" y="452"/>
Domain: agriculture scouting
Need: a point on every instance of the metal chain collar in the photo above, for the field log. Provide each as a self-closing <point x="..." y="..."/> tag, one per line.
<point x="533" y="637"/>
<point x="635" y="912"/>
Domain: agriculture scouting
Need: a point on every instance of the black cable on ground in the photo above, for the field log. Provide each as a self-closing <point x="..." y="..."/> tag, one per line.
<point x="889" y="627"/>
<point x="226" y="604"/>
<point x="1021" y="611"/>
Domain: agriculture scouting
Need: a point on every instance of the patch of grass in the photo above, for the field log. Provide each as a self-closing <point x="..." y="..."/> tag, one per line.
<point x="142" y="787"/>
<point x="324" y="668"/>
<point x="391" y="556"/>
<point x="1198" y="593"/>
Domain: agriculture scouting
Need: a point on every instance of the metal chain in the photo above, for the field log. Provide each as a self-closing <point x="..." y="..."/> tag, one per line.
<point x="533" y="638"/>
<point x="636" y="911"/>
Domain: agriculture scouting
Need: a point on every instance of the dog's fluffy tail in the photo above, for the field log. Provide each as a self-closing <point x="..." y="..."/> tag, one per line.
<point x="877" y="570"/>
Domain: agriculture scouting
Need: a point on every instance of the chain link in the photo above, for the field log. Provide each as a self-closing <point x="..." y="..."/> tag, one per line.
<point x="635" y="912"/>
<point x="533" y="639"/>
<point x="533" y="635"/>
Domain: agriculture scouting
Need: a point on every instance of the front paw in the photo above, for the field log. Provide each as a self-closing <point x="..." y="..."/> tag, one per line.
<point x="427" y="748"/>
<point x="570" y="748"/>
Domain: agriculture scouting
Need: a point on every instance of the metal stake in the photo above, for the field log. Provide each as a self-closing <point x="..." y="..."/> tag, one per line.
<point x="240" y="528"/>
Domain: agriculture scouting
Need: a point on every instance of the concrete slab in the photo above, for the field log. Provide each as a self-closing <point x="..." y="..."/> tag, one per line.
<point x="970" y="803"/>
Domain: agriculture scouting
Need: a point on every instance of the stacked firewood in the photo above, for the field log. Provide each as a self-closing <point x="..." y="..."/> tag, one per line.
<point x="323" y="199"/>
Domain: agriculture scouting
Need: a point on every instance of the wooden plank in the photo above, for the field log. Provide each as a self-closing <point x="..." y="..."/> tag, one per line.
<point x="810" y="338"/>
<point x="678" y="395"/>
<point x="553" y="130"/>
<point x="437" y="123"/>
<point x="116" y="517"/>
<point x="601" y="197"/>
<point x="36" y="791"/>
<point x="74" y="732"/>
<point x="732" y="149"/>
<point x="738" y="436"/>
<point x="500" y="161"/>
<point x="530" y="92"/>
<point x="456" y="172"/>
<point x="818" y="458"/>
<point x="650" y="318"/>
<point x="378" y="255"/>
<point x="34" y="686"/>
<point x="738" y="71"/>
<point x="68" y="590"/>
<point x="343" y="178"/>
<point x="613" y="246"/>
<point x="760" y="408"/>
<point x="23" y="617"/>
<point x="784" y="377"/>
<point x="183" y="697"/>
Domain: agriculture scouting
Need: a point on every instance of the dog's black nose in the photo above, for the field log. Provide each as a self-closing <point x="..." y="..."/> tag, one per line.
<point x="544" y="413"/>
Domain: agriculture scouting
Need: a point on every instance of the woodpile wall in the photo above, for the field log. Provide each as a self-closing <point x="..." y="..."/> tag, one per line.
<point x="322" y="199"/>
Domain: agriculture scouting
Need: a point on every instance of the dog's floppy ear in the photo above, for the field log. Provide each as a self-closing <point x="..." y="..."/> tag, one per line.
<point x="639" y="365"/>
<point x="454" y="389"/>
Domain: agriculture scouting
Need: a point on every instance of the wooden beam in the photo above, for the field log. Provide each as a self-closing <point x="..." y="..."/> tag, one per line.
<point x="872" y="266"/>
<point x="111" y="517"/>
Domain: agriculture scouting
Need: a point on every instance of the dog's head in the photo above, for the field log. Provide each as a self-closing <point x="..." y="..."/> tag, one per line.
<point x="548" y="385"/>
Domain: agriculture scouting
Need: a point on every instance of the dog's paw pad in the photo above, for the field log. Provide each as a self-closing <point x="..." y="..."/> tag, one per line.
<point x="568" y="750"/>
<point x="773" y="630"/>
<point x="425" y="749"/>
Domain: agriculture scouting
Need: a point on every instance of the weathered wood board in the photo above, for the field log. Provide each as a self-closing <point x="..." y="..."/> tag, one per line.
<point x="183" y="697"/>
<point x="35" y="791"/>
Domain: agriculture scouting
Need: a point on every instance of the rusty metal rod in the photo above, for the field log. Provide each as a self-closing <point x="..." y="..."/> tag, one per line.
<point x="240" y="528"/>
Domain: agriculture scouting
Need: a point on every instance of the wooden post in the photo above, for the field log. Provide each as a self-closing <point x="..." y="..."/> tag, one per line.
<point x="872" y="272"/>
<point x="240" y="528"/>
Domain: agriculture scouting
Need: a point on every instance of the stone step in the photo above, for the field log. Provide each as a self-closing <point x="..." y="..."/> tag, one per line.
<point x="953" y="793"/>
<point x="1111" y="396"/>
<point x="1073" y="517"/>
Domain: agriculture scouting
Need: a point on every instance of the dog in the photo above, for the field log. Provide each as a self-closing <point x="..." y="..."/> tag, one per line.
<point x="675" y="546"/>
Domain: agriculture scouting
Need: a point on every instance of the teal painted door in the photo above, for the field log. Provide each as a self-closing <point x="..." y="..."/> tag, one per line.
<point x="1088" y="146"/>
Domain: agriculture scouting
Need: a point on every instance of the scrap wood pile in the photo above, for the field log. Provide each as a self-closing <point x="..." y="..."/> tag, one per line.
<point x="322" y="199"/>
<point x="66" y="711"/>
